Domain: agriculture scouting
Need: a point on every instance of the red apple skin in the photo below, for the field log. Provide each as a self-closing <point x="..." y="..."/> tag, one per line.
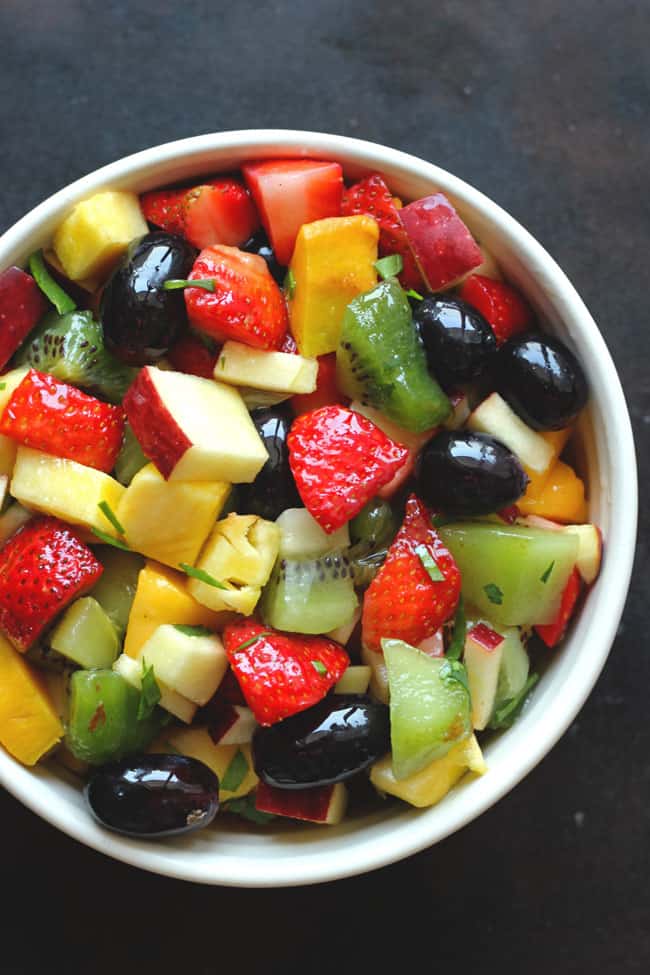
<point x="224" y="721"/>
<point x="485" y="637"/>
<point x="312" y="805"/>
<point x="161" y="438"/>
<point x="22" y="304"/>
<point x="441" y="243"/>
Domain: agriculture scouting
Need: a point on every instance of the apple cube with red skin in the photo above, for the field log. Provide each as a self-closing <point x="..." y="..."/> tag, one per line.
<point x="194" y="429"/>
<point x="22" y="304"/>
<point x="234" y="725"/>
<point x="552" y="633"/>
<point x="482" y="658"/>
<point x="442" y="245"/>
<point x="324" y="804"/>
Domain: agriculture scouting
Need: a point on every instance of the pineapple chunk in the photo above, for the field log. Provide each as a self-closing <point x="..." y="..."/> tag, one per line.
<point x="92" y="238"/>
<point x="169" y="520"/>
<point x="240" y="553"/>
<point x="190" y="663"/>
<point x="427" y="787"/>
<point x="162" y="597"/>
<point x="13" y="518"/>
<point x="65" y="489"/>
<point x="197" y="743"/>
<point x="29" y="723"/>
<point x="8" y="383"/>
<point x="279" y="372"/>
<point x="332" y="263"/>
<point x="131" y="670"/>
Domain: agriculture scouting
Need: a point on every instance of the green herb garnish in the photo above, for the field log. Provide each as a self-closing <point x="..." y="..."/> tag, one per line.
<point x="457" y="642"/>
<point x="411" y="293"/>
<point x="111" y="516"/>
<point x="175" y="284"/>
<point x="389" y="267"/>
<point x="192" y="630"/>
<point x="545" y="577"/>
<point x="453" y="670"/>
<point x="251" y="640"/>
<point x="52" y="291"/>
<point x="290" y="284"/>
<point x="149" y="692"/>
<point x="319" y="667"/>
<point x="245" y="807"/>
<point x="201" y="575"/>
<point x="235" y="773"/>
<point x="3" y="385"/>
<point x="493" y="593"/>
<point x="429" y="563"/>
<point x="109" y="540"/>
<point x="507" y="714"/>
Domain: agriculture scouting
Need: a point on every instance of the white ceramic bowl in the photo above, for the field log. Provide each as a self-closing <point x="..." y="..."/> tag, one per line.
<point x="277" y="857"/>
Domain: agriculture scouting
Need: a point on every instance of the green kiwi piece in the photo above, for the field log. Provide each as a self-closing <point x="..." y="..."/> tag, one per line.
<point x="310" y="596"/>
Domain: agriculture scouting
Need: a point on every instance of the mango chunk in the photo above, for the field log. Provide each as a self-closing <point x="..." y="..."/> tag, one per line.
<point x="29" y="723"/>
<point x="332" y="263"/>
<point x="560" y="497"/>
<point x="431" y="784"/>
<point x="197" y="743"/>
<point x="92" y="238"/>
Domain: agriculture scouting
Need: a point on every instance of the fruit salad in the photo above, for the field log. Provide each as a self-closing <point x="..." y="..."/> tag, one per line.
<point x="289" y="521"/>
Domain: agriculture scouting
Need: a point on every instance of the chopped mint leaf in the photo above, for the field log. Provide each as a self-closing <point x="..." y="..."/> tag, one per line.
<point x="50" y="288"/>
<point x="411" y="293"/>
<point x="222" y="362"/>
<point x="493" y="593"/>
<point x="547" y="572"/>
<point x="201" y="575"/>
<point x="290" y="283"/>
<point x="389" y="267"/>
<point x="457" y="643"/>
<point x="455" y="671"/>
<point x="245" y="807"/>
<point x="109" y="540"/>
<point x="149" y="694"/>
<point x="319" y="667"/>
<point x="235" y="773"/>
<point x="174" y="284"/>
<point x="112" y="517"/>
<point x="251" y="640"/>
<point x="507" y="714"/>
<point x="429" y="563"/>
<point x="192" y="630"/>
<point x="3" y="385"/>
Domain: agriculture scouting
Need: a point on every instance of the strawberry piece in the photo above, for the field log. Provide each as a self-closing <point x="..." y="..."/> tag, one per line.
<point x="373" y="197"/>
<point x="403" y="602"/>
<point x="326" y="392"/>
<point x="47" y="414"/>
<point x="442" y="245"/>
<point x="552" y="633"/>
<point x="164" y="209"/>
<point x="339" y="460"/>
<point x="43" y="567"/>
<point x="246" y="305"/>
<point x="22" y="303"/>
<point x="219" y="212"/>
<point x="499" y="303"/>
<point x="189" y="354"/>
<point x="281" y="674"/>
<point x="291" y="192"/>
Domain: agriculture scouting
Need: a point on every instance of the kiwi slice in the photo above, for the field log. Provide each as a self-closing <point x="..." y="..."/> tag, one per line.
<point x="381" y="360"/>
<point x="310" y="596"/>
<point x="71" y="348"/>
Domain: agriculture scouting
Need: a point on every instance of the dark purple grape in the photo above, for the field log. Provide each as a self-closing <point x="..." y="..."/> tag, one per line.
<point x="154" y="795"/>
<point x="541" y="380"/>
<point x="457" y="339"/>
<point x="259" y="244"/>
<point x="467" y="473"/>
<point x="329" y="742"/>
<point x="274" y="488"/>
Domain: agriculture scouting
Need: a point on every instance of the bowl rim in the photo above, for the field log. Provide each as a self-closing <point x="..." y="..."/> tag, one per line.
<point x="417" y="834"/>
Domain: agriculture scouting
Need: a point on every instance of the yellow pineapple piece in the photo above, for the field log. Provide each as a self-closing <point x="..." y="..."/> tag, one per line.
<point x="169" y="520"/>
<point x="92" y="238"/>
<point x="162" y="597"/>
<point x="427" y="787"/>
<point x="29" y="723"/>
<point x="332" y="263"/>
<point x="240" y="553"/>
<point x="280" y="372"/>
<point x="197" y="743"/>
<point x="11" y="520"/>
<point x="65" y="489"/>
<point x="8" y="447"/>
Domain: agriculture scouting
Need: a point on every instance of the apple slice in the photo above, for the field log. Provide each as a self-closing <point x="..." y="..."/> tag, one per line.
<point x="341" y="634"/>
<point x="188" y="659"/>
<point x="194" y="429"/>
<point x="325" y="804"/>
<point x="22" y="304"/>
<point x="495" y="417"/>
<point x="279" y="372"/>
<point x="355" y="680"/>
<point x="482" y="658"/>
<point x="590" y="550"/>
<point x="443" y="247"/>
<point x="234" y="725"/>
<point x="301" y="537"/>
<point x="131" y="670"/>
<point x="434" y="645"/>
<point x="11" y="520"/>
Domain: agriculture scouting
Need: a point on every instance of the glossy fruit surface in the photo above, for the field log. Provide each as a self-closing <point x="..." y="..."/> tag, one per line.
<point x="466" y="473"/>
<point x="274" y="489"/>
<point x="140" y="318"/>
<point x="259" y="244"/>
<point x="542" y="381"/>
<point x="154" y="795"/>
<point x="330" y="742"/>
<point x="457" y="339"/>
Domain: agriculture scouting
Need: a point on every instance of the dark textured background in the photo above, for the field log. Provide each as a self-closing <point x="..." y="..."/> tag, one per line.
<point x="544" y="107"/>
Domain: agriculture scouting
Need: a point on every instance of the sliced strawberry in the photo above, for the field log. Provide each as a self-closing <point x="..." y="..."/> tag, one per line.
<point x="339" y="460"/>
<point x="189" y="354"/>
<point x="404" y="602"/>
<point x="499" y="303"/>
<point x="22" y="303"/>
<point x="281" y="674"/>
<point x="49" y="415"/>
<point x="326" y="392"/>
<point x="373" y="197"/>
<point x="246" y="305"/>
<point x="552" y="633"/>
<point x="219" y="212"/>
<point x="291" y="192"/>
<point x="164" y="209"/>
<point x="43" y="567"/>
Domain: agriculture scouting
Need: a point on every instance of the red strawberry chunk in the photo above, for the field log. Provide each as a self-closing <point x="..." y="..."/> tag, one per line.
<point x="189" y="354"/>
<point x="220" y="212"/>
<point x="326" y="392"/>
<point x="281" y="674"/>
<point x="164" y="209"/>
<point x="552" y="633"/>
<point x="43" y="567"/>
<point x="22" y="303"/>
<point x="49" y="415"/>
<point x="403" y="602"/>
<point x="499" y="303"/>
<point x="373" y="197"/>
<point x="340" y="460"/>
<point x="247" y="305"/>
<point x="291" y="192"/>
